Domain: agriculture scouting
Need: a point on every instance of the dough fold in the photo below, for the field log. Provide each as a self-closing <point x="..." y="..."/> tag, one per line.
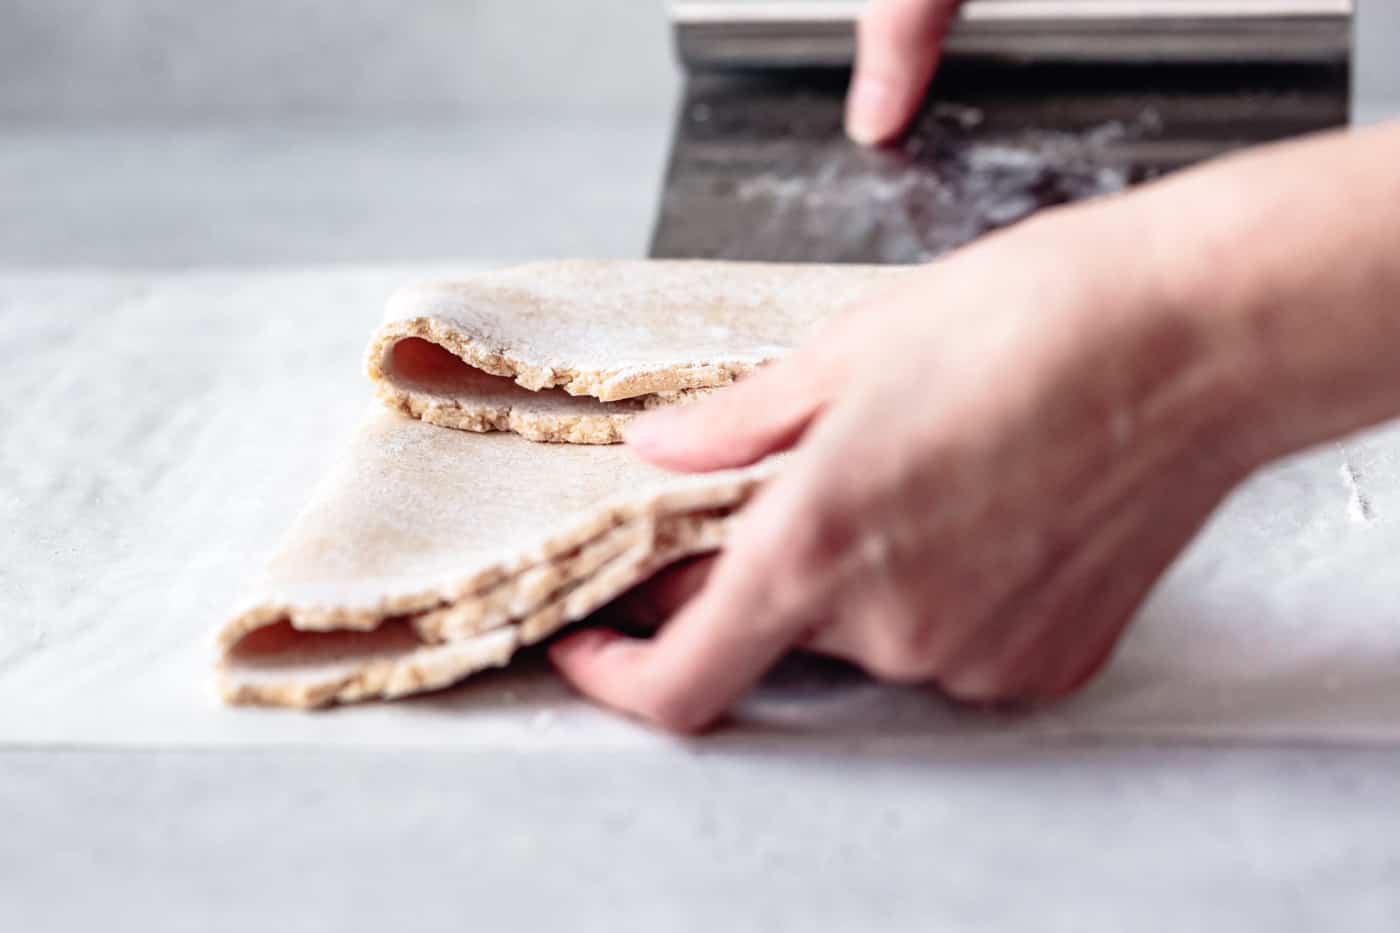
<point x="429" y="554"/>
<point x="570" y="351"/>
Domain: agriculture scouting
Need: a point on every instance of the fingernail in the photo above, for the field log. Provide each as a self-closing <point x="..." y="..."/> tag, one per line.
<point x="867" y="109"/>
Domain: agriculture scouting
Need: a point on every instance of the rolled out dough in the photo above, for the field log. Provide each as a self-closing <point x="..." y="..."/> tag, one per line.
<point x="429" y="554"/>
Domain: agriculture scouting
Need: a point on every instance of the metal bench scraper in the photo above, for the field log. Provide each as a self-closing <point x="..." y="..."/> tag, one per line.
<point x="1037" y="103"/>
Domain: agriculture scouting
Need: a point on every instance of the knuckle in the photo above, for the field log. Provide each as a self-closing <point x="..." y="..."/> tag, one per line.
<point x="900" y="655"/>
<point x="818" y="539"/>
<point x="801" y="563"/>
<point x="902" y="671"/>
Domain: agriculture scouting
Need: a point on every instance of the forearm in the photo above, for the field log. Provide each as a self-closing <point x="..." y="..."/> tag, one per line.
<point x="1290" y="258"/>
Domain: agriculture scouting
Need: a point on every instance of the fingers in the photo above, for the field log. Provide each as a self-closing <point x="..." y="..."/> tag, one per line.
<point x="763" y="413"/>
<point x="689" y="674"/>
<point x="1083" y="665"/>
<point x="898" y="44"/>
<point x="701" y="662"/>
<point x="656" y="600"/>
<point x="882" y="651"/>
<point x="1055" y="668"/>
<point x="771" y="408"/>
<point x="760" y="595"/>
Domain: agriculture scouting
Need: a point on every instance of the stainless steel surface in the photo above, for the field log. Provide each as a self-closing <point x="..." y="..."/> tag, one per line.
<point x="803" y="33"/>
<point x="1038" y="103"/>
<point x="760" y="168"/>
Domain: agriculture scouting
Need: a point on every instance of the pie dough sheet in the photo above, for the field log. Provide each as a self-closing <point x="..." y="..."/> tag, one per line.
<point x="429" y="554"/>
<point x="569" y="351"/>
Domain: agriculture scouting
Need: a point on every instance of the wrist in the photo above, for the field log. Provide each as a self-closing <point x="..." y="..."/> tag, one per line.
<point x="1198" y="285"/>
<point x="1161" y="329"/>
<point x="1285" y="259"/>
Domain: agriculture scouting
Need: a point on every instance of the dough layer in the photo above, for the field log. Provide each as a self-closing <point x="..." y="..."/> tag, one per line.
<point x="430" y="554"/>
<point x="570" y="351"/>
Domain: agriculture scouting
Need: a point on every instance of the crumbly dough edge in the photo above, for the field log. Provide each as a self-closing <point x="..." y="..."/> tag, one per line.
<point x="606" y="385"/>
<point x="594" y="429"/>
<point x="726" y="492"/>
<point x="434" y="666"/>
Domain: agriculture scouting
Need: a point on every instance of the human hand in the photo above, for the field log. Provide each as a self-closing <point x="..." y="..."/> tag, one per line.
<point x="898" y="44"/>
<point x="994" y="460"/>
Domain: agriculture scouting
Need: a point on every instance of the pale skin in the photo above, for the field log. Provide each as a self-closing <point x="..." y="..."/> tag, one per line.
<point x="995" y="459"/>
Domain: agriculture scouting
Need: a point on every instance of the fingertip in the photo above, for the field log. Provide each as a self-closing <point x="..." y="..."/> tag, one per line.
<point x="652" y="436"/>
<point x="688" y="439"/>
<point x="898" y="46"/>
<point x="873" y="113"/>
<point x="575" y="652"/>
<point x="606" y="667"/>
<point x="683" y="437"/>
<point x="643" y="431"/>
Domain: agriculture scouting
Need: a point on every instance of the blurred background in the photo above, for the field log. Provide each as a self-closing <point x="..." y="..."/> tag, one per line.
<point x="168" y="132"/>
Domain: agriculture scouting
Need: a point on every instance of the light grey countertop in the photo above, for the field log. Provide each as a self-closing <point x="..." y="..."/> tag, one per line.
<point x="345" y="192"/>
<point x="113" y="163"/>
<point x="161" y="133"/>
<point x="714" y="837"/>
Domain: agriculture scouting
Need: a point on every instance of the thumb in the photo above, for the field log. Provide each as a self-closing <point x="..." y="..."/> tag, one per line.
<point x="898" y="44"/>
<point x="765" y="412"/>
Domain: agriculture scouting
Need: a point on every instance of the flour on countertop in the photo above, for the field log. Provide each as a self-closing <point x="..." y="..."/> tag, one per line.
<point x="941" y="188"/>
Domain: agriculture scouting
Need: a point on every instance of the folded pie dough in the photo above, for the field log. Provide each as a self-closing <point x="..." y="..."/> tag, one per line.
<point x="570" y="351"/>
<point x="429" y="554"/>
